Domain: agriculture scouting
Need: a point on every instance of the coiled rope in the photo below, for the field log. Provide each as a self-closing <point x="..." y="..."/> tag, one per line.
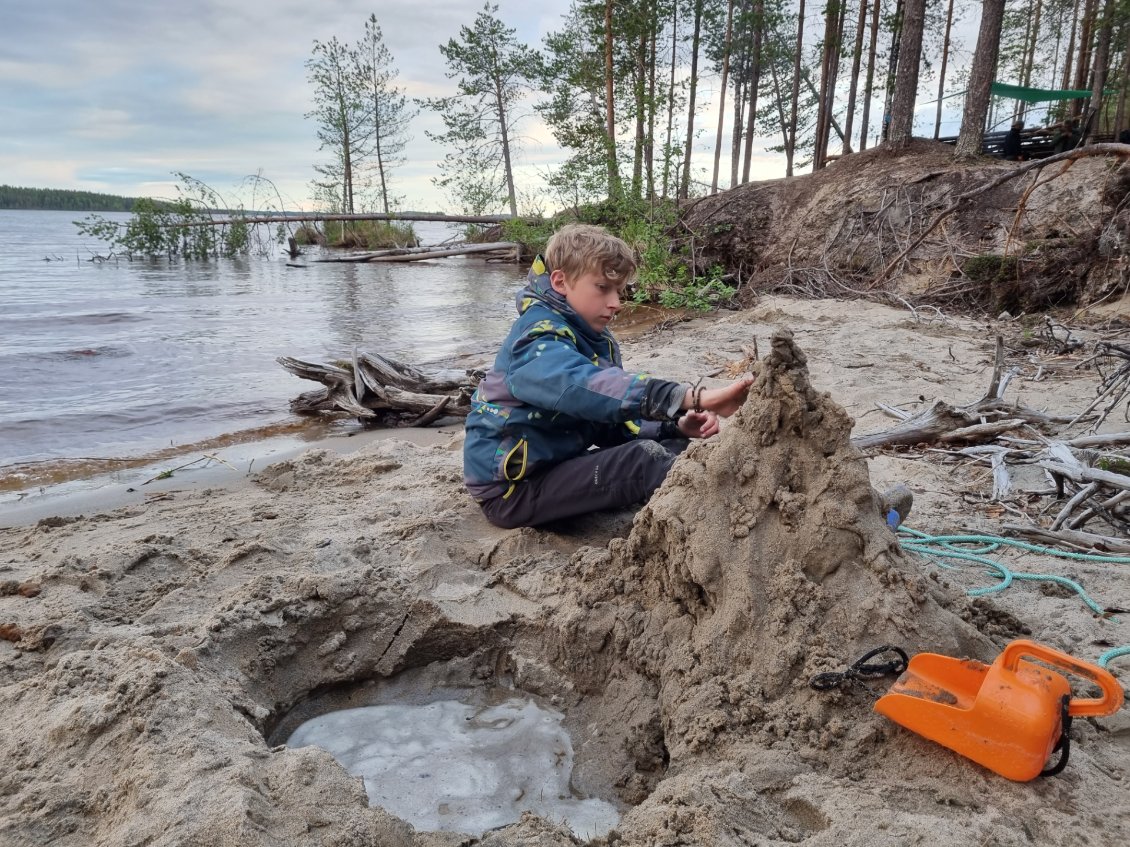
<point x="938" y="548"/>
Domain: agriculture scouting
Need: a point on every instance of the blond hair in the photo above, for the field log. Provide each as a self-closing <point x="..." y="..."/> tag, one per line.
<point x="577" y="249"/>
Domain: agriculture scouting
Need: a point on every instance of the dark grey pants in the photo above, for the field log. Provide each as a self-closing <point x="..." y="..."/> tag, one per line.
<point x="610" y="478"/>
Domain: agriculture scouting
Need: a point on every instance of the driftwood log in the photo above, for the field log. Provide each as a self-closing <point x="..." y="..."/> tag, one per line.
<point x="378" y="389"/>
<point x="417" y="254"/>
<point x="976" y="423"/>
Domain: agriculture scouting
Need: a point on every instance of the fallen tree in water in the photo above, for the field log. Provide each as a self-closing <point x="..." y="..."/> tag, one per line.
<point x="416" y="254"/>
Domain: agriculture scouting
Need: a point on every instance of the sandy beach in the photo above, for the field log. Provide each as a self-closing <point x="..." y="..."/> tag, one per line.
<point x="153" y="648"/>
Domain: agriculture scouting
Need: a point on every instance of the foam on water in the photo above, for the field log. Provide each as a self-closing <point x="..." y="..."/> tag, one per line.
<point x="448" y="765"/>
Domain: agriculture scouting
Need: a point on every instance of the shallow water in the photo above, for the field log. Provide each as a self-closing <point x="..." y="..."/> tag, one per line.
<point x="107" y="361"/>
<point x="449" y="765"/>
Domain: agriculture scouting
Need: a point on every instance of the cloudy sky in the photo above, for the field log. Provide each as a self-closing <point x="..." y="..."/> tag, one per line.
<point x="114" y="96"/>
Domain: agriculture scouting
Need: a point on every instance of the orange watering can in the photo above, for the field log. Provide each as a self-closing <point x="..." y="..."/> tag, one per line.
<point x="1009" y="716"/>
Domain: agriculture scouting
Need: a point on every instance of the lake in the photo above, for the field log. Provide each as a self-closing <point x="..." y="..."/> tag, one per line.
<point x="104" y="363"/>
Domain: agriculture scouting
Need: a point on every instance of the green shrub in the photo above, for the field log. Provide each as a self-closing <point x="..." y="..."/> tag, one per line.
<point x="664" y="273"/>
<point x="308" y="233"/>
<point x="376" y="235"/>
<point x="989" y="268"/>
<point x="180" y="228"/>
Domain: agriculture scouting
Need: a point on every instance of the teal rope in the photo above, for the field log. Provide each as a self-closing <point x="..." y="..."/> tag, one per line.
<point x="939" y="547"/>
<point x="936" y="548"/>
<point x="1106" y="657"/>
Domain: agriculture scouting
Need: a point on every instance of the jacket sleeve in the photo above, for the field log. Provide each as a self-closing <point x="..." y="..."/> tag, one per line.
<point x="547" y="370"/>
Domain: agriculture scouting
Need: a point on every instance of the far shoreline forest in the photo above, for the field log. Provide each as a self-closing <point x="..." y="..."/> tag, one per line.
<point x="62" y="200"/>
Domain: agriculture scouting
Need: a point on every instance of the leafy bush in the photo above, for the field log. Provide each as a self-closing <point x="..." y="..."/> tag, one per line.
<point x="533" y="236"/>
<point x="180" y="228"/>
<point x="664" y="274"/>
<point x="308" y="233"/>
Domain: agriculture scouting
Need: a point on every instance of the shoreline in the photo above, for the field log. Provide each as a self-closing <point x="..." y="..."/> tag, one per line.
<point x="68" y="487"/>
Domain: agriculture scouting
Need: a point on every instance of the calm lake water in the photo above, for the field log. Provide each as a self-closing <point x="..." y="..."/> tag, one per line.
<point x="120" y="359"/>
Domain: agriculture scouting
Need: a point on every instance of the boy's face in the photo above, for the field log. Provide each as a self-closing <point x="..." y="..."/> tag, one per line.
<point x="592" y="296"/>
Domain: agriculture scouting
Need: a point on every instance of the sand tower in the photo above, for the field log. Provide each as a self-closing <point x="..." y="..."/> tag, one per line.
<point x="765" y="559"/>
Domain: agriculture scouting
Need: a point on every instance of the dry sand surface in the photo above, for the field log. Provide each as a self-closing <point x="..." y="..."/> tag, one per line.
<point x="151" y="654"/>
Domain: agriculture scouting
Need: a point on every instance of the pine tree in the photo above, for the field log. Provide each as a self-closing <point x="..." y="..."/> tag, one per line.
<point x="340" y="111"/>
<point x="980" y="80"/>
<point x="386" y="127"/>
<point x="494" y="73"/>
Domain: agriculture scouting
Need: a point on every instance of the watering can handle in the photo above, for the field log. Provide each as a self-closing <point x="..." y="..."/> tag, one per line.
<point x="1108" y="704"/>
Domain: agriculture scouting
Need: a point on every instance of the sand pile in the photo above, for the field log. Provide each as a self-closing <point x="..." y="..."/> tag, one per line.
<point x="762" y="561"/>
<point x="769" y="551"/>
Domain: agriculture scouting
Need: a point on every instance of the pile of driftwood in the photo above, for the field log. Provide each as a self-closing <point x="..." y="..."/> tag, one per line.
<point x="1085" y="504"/>
<point x="380" y="390"/>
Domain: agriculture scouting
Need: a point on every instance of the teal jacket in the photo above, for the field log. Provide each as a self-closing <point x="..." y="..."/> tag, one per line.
<point x="556" y="389"/>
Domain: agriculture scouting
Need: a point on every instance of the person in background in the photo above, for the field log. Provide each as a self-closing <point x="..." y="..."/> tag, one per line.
<point x="1067" y="136"/>
<point x="1010" y="148"/>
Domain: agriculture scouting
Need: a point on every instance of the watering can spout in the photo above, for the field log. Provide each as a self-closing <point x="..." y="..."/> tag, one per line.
<point x="1008" y="716"/>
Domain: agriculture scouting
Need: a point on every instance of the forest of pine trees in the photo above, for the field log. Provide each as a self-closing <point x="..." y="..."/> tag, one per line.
<point x="624" y="86"/>
<point x="12" y="197"/>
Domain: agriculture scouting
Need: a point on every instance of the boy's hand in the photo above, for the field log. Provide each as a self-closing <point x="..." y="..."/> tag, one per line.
<point x="722" y="401"/>
<point x="698" y="424"/>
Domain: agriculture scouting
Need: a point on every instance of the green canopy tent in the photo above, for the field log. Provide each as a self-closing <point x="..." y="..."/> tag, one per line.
<point x="1037" y="95"/>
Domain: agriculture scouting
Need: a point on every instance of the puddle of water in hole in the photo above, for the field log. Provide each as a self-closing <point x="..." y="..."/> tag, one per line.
<point x="452" y="766"/>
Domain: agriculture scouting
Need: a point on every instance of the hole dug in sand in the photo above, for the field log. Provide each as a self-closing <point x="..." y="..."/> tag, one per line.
<point x="467" y="759"/>
<point x="454" y="728"/>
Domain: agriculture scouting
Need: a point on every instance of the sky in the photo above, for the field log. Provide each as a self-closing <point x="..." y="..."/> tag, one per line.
<point x="118" y="95"/>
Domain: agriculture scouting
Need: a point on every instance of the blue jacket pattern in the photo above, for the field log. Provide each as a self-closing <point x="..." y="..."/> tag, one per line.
<point x="557" y="387"/>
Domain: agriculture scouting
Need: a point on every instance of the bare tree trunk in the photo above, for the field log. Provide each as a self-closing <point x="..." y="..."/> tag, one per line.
<point x="980" y="80"/>
<point x="347" y="169"/>
<point x="790" y="151"/>
<point x="856" y="60"/>
<point x="1099" y="72"/>
<point x="667" y="148"/>
<point x="892" y="69"/>
<point x="739" y="72"/>
<point x="942" y="73"/>
<point x="504" y="130"/>
<point x="906" y="81"/>
<point x="754" y="84"/>
<point x="869" y="88"/>
<point x="722" y="94"/>
<point x="610" y="105"/>
<point x="1083" y="62"/>
<point x="1030" y="57"/>
<point x="1070" y="55"/>
<point x="649" y="141"/>
<point x="1123" y="79"/>
<point x="739" y="123"/>
<point x="684" y="191"/>
<point x="782" y="123"/>
<point x="829" y="54"/>
<point x="641" y="117"/>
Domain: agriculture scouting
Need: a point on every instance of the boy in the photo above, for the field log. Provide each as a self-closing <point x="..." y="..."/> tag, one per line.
<point x="557" y="389"/>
